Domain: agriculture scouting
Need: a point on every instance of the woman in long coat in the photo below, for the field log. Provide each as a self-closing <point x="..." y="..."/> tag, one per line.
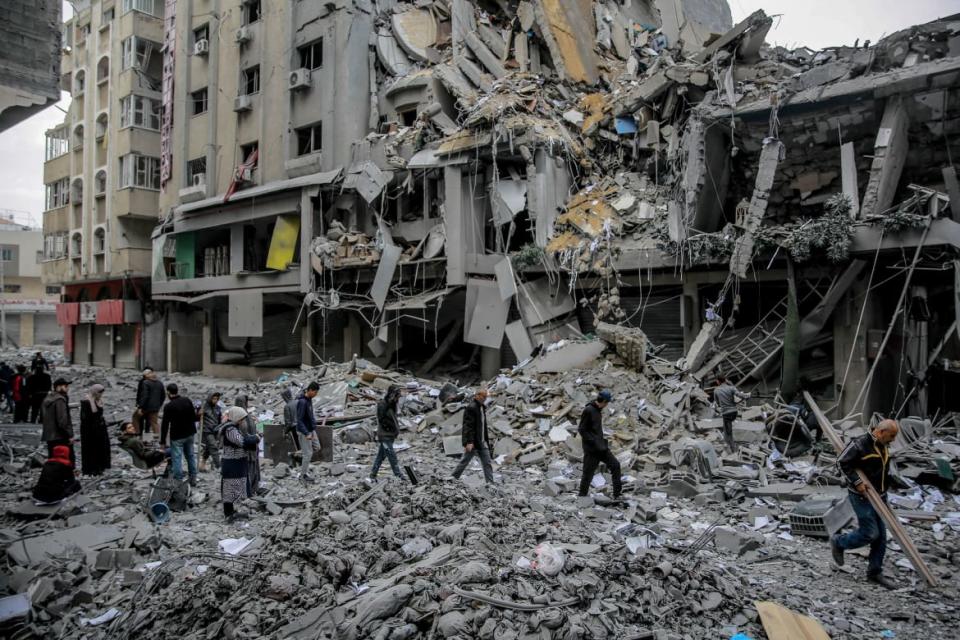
<point x="249" y="428"/>
<point x="233" y="462"/>
<point x="94" y="439"/>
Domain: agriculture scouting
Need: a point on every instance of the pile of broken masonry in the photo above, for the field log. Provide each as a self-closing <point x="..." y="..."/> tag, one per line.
<point x="700" y="538"/>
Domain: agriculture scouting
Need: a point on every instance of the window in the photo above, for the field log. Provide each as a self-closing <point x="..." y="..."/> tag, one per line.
<point x="48" y="244"/>
<point x="51" y="290"/>
<point x="142" y="172"/>
<point x="246" y="150"/>
<point x="60" y="245"/>
<point x="11" y="288"/>
<point x="79" y="82"/>
<point x="78" y="137"/>
<point x="58" y="194"/>
<point x="197" y="167"/>
<point x="100" y="182"/>
<point x="251" y="12"/>
<point x="250" y="82"/>
<point x="101" y="128"/>
<point x="140" y="111"/>
<point x="309" y="139"/>
<point x="199" y="99"/>
<point x="136" y="53"/>
<point x="152" y="7"/>
<point x="6" y="254"/>
<point x="99" y="241"/>
<point x="311" y="55"/>
<point x="58" y="143"/>
<point x="107" y="17"/>
<point x="201" y="33"/>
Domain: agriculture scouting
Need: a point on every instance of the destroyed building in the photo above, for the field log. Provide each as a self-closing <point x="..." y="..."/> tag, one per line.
<point x="473" y="181"/>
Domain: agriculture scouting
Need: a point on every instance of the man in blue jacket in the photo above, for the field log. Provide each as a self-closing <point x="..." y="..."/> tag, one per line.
<point x="307" y="430"/>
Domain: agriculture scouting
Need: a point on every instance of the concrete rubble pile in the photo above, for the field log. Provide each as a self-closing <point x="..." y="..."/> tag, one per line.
<point x="700" y="538"/>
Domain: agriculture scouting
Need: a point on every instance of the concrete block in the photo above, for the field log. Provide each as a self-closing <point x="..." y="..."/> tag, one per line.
<point x="748" y="431"/>
<point x="534" y="457"/>
<point x="736" y="542"/>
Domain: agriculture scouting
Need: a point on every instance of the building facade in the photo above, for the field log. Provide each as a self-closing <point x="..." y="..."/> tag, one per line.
<point x="30" y="41"/>
<point x="102" y="178"/>
<point x="28" y="304"/>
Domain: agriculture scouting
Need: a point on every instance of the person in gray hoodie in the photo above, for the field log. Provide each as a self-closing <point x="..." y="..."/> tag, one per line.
<point x="55" y="416"/>
<point x="210" y="417"/>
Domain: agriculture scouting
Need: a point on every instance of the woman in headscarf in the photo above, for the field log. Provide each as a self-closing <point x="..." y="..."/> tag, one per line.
<point x="233" y="461"/>
<point x="94" y="439"/>
<point x="249" y="428"/>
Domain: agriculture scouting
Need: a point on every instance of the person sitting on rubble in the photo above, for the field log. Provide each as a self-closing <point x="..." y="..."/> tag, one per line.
<point x="476" y="437"/>
<point x="596" y="449"/>
<point x="867" y="453"/>
<point x="130" y="442"/>
<point x="725" y="395"/>
<point x="307" y="429"/>
<point x="233" y="461"/>
<point x="57" y="478"/>
<point x="210" y="417"/>
<point x="387" y="432"/>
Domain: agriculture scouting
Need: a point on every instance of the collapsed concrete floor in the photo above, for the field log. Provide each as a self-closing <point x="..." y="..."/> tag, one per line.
<point x="700" y="538"/>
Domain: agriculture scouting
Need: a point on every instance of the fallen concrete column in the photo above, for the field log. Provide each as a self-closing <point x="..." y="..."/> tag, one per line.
<point x="630" y="343"/>
<point x="743" y="251"/>
<point x="889" y="156"/>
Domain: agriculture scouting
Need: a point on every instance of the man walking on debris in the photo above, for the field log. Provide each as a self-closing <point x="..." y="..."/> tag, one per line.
<point x="475" y="437"/>
<point x="307" y="430"/>
<point x="178" y="424"/>
<point x="869" y="454"/>
<point x="595" y="446"/>
<point x="387" y="432"/>
<point x="210" y="418"/>
<point x="57" y="425"/>
<point x="725" y="395"/>
<point x="149" y="400"/>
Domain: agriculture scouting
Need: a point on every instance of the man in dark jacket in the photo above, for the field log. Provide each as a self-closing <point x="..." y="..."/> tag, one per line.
<point x="475" y="437"/>
<point x="307" y="430"/>
<point x="149" y="400"/>
<point x="179" y="422"/>
<point x="387" y="432"/>
<point x="39" y="363"/>
<point x="6" y="385"/>
<point x="57" y="425"/>
<point x="57" y="479"/>
<point x="38" y="386"/>
<point x="867" y="453"/>
<point x="595" y="446"/>
<point x="211" y="415"/>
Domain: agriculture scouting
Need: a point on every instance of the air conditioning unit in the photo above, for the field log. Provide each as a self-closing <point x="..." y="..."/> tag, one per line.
<point x="299" y="79"/>
<point x="199" y="179"/>
<point x="243" y="35"/>
<point x="201" y="47"/>
<point x="247" y="174"/>
<point x="242" y="103"/>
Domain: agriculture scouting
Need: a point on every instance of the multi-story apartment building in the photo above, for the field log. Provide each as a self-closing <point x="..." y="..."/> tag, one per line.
<point x="102" y="176"/>
<point x="265" y="102"/>
<point x="28" y="304"/>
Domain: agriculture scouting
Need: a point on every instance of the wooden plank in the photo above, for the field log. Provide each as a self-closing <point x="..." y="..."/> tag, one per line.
<point x="781" y="623"/>
<point x="875" y="500"/>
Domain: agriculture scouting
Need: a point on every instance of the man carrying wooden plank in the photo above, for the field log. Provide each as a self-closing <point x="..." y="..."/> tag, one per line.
<point x="869" y="454"/>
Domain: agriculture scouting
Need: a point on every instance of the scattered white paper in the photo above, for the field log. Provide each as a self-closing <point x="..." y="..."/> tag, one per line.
<point x="95" y="622"/>
<point x="523" y="563"/>
<point x="760" y="522"/>
<point x="636" y="543"/>
<point x="150" y="566"/>
<point x="558" y="434"/>
<point x="233" y="546"/>
<point x="598" y="481"/>
<point x="202" y="569"/>
<point x="785" y="535"/>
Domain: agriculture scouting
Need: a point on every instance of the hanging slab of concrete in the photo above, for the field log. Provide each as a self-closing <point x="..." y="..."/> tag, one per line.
<point x="385" y="270"/>
<point x="245" y="314"/>
<point x="486" y="318"/>
<point x="889" y="157"/>
<point x="415" y="31"/>
<point x="508" y="198"/>
<point x="573" y="355"/>
<point x="743" y="250"/>
<point x="519" y="340"/>
<point x="486" y="57"/>
<point x="33" y="551"/>
<point x="540" y="301"/>
<point x="848" y="176"/>
<point x="392" y="56"/>
<point x="505" y="279"/>
<point x="569" y="31"/>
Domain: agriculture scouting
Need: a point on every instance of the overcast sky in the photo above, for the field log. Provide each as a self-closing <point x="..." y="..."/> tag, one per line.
<point x="814" y="23"/>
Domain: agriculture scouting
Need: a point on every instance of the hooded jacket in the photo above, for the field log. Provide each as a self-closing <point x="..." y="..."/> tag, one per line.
<point x="289" y="409"/>
<point x="591" y="429"/>
<point x="387" y="427"/>
<point x="306" y="420"/>
<point x="55" y="413"/>
<point x="475" y="429"/>
<point x="211" y="415"/>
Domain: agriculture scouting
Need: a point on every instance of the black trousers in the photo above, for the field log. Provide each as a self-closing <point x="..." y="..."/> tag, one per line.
<point x="21" y="410"/>
<point x="35" y="405"/>
<point x="591" y="460"/>
<point x="728" y="419"/>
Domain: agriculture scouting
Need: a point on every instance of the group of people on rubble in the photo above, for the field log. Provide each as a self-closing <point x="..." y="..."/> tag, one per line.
<point x="23" y="388"/>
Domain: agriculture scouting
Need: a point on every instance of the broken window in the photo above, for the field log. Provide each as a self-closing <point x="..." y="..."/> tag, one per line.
<point x="58" y="143"/>
<point x="246" y="150"/>
<point x="137" y="53"/>
<point x="250" y="82"/>
<point x="311" y="55"/>
<point x="309" y="139"/>
<point x="408" y="118"/>
<point x="140" y="111"/>
<point x="197" y="172"/>
<point x="151" y="7"/>
<point x="199" y="99"/>
<point x="58" y="194"/>
<point x="107" y="16"/>
<point x="142" y="172"/>
<point x="251" y="12"/>
<point x="201" y="33"/>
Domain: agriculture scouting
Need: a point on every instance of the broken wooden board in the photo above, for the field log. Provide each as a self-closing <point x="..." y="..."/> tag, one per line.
<point x="781" y="623"/>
